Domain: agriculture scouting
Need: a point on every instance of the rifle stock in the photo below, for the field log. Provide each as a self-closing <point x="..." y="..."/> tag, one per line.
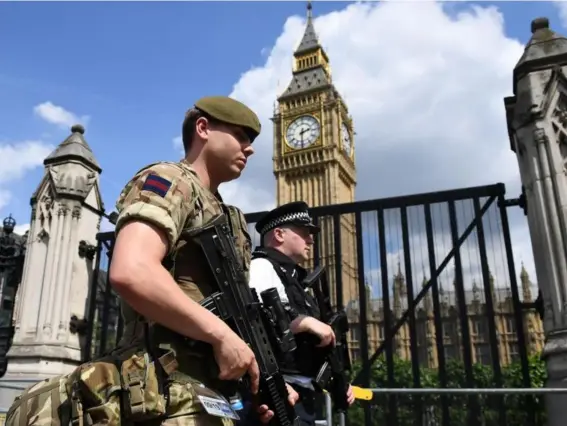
<point x="238" y="305"/>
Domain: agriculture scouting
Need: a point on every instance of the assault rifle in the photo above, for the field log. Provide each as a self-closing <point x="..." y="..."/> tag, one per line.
<point x="277" y="321"/>
<point x="238" y="305"/>
<point x="332" y="374"/>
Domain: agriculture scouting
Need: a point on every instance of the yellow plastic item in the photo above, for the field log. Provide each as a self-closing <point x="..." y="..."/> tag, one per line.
<point x="361" y="393"/>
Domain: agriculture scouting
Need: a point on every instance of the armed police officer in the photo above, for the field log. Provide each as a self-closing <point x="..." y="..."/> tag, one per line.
<point x="161" y="275"/>
<point x="287" y="237"/>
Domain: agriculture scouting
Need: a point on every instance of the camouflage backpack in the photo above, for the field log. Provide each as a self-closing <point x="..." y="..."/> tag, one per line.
<point x="104" y="391"/>
<point x="45" y="403"/>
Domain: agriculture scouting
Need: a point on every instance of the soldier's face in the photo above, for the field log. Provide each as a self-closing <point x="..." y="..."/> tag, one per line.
<point x="227" y="149"/>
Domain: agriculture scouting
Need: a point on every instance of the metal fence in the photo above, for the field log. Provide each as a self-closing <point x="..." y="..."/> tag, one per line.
<point x="433" y="298"/>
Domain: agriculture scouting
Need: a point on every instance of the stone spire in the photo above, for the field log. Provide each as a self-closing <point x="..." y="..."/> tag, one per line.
<point x="476" y="291"/>
<point x="75" y="147"/>
<point x="309" y="42"/>
<point x="545" y="48"/>
<point x="311" y="70"/>
<point x="398" y="290"/>
<point x="526" y="284"/>
<point x="55" y="279"/>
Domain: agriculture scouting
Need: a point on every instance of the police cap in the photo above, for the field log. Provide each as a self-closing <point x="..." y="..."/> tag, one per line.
<point x="231" y="111"/>
<point x="295" y="213"/>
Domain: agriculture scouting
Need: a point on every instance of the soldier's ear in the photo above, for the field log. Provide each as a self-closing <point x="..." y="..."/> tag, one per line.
<point x="202" y="128"/>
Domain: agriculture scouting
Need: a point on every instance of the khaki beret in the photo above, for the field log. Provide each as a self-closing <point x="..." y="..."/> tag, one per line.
<point x="231" y="111"/>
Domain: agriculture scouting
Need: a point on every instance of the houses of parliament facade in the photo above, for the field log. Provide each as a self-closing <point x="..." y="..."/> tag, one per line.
<point x="314" y="161"/>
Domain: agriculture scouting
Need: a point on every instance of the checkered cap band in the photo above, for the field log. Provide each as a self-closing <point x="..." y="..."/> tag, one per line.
<point x="287" y="218"/>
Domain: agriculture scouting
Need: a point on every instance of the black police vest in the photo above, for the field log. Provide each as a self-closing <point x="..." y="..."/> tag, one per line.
<point x="307" y="358"/>
<point x="291" y="275"/>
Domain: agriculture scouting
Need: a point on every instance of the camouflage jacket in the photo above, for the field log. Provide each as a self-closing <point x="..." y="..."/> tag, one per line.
<point x="171" y="196"/>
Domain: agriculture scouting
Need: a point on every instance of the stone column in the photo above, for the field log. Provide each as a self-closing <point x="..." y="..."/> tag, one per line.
<point x="537" y="126"/>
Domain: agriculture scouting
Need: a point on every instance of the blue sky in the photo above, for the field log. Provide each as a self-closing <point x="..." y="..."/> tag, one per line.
<point x="134" y="68"/>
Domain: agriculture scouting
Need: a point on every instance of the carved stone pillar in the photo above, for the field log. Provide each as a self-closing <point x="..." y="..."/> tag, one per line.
<point x="54" y="288"/>
<point x="537" y="127"/>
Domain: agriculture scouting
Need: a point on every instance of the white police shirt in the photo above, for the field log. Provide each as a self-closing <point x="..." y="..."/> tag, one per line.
<point x="263" y="277"/>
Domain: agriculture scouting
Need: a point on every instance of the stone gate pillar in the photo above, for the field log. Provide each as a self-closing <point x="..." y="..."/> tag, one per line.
<point x="55" y="281"/>
<point x="537" y="127"/>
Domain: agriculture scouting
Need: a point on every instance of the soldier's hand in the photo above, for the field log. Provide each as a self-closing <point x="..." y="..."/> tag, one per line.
<point x="312" y="325"/>
<point x="235" y="359"/>
<point x="265" y="414"/>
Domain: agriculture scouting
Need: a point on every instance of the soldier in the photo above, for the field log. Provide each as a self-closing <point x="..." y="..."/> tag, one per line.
<point x="161" y="276"/>
<point x="287" y="237"/>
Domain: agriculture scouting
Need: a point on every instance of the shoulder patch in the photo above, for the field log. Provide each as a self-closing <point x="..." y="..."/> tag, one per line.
<point x="157" y="185"/>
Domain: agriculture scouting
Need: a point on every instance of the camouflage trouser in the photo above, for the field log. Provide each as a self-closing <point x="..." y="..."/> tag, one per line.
<point x="185" y="409"/>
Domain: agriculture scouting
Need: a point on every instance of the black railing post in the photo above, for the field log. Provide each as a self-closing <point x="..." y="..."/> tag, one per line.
<point x="338" y="262"/>
<point x="473" y="408"/>
<point x="389" y="333"/>
<point x="490" y="313"/>
<point x="442" y="371"/>
<point x="518" y="314"/>
<point x="418" y="407"/>
<point x="91" y="309"/>
<point x="362" y="297"/>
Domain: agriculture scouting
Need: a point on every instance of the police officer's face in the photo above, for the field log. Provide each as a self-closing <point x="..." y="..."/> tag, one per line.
<point x="297" y="241"/>
<point x="228" y="148"/>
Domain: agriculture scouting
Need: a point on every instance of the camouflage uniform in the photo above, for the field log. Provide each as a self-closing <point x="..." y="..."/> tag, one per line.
<point x="171" y="197"/>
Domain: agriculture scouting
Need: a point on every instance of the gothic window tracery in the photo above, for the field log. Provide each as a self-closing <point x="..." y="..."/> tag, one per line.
<point x="559" y="125"/>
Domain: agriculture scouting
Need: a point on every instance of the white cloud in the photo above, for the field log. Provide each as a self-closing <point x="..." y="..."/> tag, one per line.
<point x="178" y="145"/>
<point x="22" y="229"/>
<point x="16" y="159"/>
<point x="58" y="115"/>
<point x="5" y="197"/>
<point x="425" y="88"/>
<point x="247" y="196"/>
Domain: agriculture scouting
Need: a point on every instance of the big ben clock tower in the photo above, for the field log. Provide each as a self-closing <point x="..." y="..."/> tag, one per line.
<point x="314" y="152"/>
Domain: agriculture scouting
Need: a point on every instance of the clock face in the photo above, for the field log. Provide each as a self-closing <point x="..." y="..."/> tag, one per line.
<point x="347" y="143"/>
<point x="303" y="132"/>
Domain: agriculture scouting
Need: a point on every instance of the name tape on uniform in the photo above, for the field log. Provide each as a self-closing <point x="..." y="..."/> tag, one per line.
<point x="218" y="407"/>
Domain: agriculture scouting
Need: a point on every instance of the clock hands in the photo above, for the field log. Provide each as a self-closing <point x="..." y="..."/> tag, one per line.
<point x="301" y="134"/>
